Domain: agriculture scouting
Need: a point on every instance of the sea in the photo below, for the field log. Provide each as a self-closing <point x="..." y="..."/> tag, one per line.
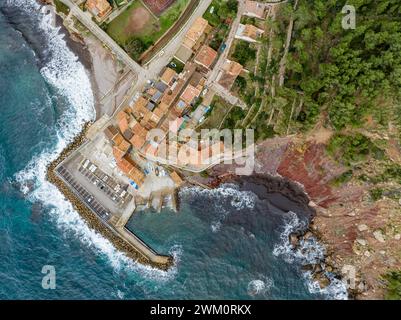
<point x="227" y="243"/>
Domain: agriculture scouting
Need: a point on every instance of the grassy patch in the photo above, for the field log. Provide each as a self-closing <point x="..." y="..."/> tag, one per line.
<point x="176" y="65"/>
<point x="352" y="149"/>
<point x="135" y="43"/>
<point x="219" y="11"/>
<point x="61" y="7"/>
<point x="393" y="280"/>
<point x="215" y="116"/>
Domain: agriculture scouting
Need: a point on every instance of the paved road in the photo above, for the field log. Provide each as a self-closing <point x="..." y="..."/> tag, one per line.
<point x="156" y="65"/>
<point x="216" y="70"/>
<point x="86" y="19"/>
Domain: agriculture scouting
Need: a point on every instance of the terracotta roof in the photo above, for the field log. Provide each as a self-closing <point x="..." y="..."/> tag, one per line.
<point x="139" y="108"/>
<point x="118" y="154"/>
<point x="190" y="93"/>
<point x="117" y="139"/>
<point x="124" y="146"/>
<point x="98" y="7"/>
<point x="168" y="76"/>
<point x="131" y="170"/>
<point x="249" y="31"/>
<point x="110" y="132"/>
<point x="255" y="9"/>
<point x="122" y="119"/>
<point x="231" y="70"/>
<point x="137" y="141"/>
<point x="206" y="56"/>
<point x="195" y="32"/>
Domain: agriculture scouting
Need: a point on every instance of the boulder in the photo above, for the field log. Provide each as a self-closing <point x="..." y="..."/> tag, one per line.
<point x="379" y="236"/>
<point x="294" y="240"/>
<point x="363" y="227"/>
<point x="362" y="242"/>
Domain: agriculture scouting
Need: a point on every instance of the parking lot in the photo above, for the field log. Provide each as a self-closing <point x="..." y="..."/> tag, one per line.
<point x="117" y="192"/>
<point x="89" y="200"/>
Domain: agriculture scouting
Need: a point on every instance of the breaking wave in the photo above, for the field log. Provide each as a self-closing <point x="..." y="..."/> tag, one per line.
<point x="67" y="75"/>
<point x="259" y="287"/>
<point x="225" y="197"/>
<point x="308" y="252"/>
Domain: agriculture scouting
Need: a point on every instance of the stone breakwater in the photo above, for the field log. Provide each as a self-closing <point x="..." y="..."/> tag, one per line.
<point x="90" y="217"/>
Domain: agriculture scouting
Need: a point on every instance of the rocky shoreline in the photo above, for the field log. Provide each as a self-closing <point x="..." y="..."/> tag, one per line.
<point x="297" y="200"/>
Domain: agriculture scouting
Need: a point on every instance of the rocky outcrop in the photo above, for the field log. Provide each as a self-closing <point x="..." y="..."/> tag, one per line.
<point x="355" y="230"/>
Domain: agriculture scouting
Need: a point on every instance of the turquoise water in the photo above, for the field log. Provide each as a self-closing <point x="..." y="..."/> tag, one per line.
<point x="227" y="243"/>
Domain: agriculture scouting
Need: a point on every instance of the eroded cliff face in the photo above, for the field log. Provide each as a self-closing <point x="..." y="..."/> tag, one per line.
<point x="360" y="234"/>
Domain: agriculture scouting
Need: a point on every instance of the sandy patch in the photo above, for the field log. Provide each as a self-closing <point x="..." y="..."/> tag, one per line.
<point x="138" y="21"/>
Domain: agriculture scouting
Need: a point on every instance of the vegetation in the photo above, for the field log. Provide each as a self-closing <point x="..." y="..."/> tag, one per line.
<point x="376" y="193"/>
<point x="393" y="280"/>
<point x="135" y="47"/>
<point x="153" y="29"/>
<point x="352" y="149"/>
<point x="61" y="7"/>
<point x="176" y="65"/>
<point x="221" y="10"/>
<point x="347" y="73"/>
<point x="243" y="53"/>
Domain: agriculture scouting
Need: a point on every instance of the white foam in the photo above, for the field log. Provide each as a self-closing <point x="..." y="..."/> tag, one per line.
<point x="237" y="199"/>
<point x="68" y="76"/>
<point x="259" y="287"/>
<point x="309" y="251"/>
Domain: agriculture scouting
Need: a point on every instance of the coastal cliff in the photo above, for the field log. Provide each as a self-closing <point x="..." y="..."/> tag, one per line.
<point x="361" y="236"/>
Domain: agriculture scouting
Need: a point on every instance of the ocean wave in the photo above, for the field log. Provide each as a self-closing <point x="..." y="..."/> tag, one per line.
<point x="309" y="251"/>
<point x="68" y="76"/>
<point x="260" y="287"/>
<point x="221" y="197"/>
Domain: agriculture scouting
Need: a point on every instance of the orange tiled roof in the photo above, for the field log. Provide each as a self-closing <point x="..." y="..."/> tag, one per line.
<point x="98" y="7"/>
<point x="137" y="141"/>
<point x="118" y="154"/>
<point x="195" y="32"/>
<point x="122" y="119"/>
<point x="168" y="75"/>
<point x="190" y="93"/>
<point x="118" y="138"/>
<point x="255" y="8"/>
<point x="206" y="56"/>
<point x="129" y="168"/>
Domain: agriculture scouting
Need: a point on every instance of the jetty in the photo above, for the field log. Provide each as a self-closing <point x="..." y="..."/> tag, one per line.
<point x="109" y="221"/>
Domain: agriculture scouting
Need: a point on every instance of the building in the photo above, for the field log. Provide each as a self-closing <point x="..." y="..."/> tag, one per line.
<point x="169" y="76"/>
<point x="193" y="39"/>
<point x="255" y="9"/>
<point x="110" y="132"/>
<point x="230" y="72"/>
<point x="99" y="8"/>
<point x="190" y="94"/>
<point x="196" y="33"/>
<point x="249" y="33"/>
<point x="206" y="57"/>
<point x="131" y="170"/>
